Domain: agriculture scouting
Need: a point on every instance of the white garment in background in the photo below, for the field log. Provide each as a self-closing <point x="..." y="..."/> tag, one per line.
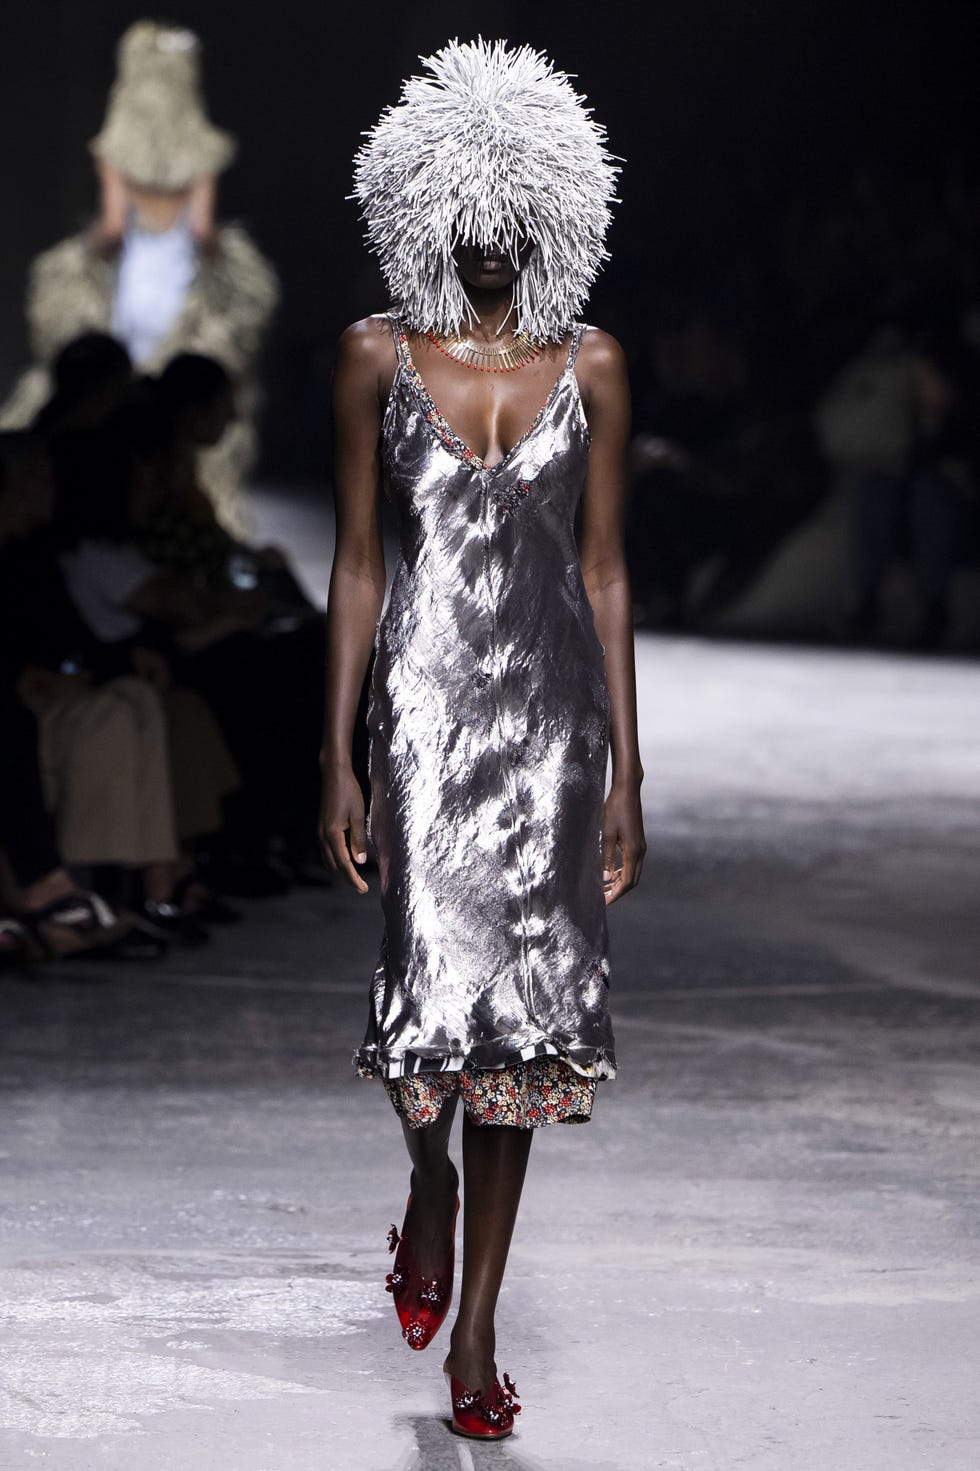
<point x="155" y="274"/>
<point x="101" y="576"/>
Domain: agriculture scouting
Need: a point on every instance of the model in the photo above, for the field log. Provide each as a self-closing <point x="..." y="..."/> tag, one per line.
<point x="154" y="268"/>
<point x="504" y="660"/>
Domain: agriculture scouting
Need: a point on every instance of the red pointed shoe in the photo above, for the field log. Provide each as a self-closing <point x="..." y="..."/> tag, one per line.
<point x="400" y="1280"/>
<point x="481" y="1416"/>
<point x="421" y="1304"/>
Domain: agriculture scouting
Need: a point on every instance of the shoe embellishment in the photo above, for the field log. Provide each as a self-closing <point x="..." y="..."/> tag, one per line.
<point x="421" y="1304"/>
<point x="416" y="1334"/>
<point x="484" y="1417"/>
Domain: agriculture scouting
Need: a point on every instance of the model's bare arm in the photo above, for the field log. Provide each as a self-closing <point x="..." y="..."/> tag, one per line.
<point x="602" y="373"/>
<point x="365" y="364"/>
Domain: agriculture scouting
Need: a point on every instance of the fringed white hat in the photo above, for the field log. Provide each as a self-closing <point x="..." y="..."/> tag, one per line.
<point x="490" y="146"/>
<point x="156" y="129"/>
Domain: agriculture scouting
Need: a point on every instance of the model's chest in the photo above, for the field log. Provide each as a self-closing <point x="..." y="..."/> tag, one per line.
<point x="489" y="413"/>
<point x="429" y="464"/>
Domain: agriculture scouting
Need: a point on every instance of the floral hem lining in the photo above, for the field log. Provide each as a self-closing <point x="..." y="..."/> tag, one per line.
<point x="370" y="1061"/>
<point x="524" y="1095"/>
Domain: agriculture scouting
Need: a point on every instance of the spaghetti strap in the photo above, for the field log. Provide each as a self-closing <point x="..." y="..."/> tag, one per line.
<point x="578" y="332"/>
<point x="401" y="341"/>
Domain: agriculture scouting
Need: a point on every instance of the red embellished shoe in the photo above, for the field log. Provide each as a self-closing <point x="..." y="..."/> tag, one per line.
<point x="421" y="1303"/>
<point x="481" y="1416"/>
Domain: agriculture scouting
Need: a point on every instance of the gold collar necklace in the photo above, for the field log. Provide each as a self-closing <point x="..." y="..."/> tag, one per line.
<point x="484" y="357"/>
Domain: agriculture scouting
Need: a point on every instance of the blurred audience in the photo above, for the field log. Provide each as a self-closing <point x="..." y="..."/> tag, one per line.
<point x="899" y="425"/>
<point x="44" y="912"/>
<point x="91" y="376"/>
<point x="944" y="473"/>
<point x="831" y="351"/>
<point x="182" y="532"/>
<point x="125" y="498"/>
<point x="719" y="484"/>
<point x="103" y="748"/>
<point x="161" y="680"/>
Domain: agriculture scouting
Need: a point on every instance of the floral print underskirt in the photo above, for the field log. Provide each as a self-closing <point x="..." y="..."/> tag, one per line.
<point x="525" y="1095"/>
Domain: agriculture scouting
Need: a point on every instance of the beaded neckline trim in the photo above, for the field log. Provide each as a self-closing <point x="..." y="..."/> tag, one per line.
<point x="444" y="430"/>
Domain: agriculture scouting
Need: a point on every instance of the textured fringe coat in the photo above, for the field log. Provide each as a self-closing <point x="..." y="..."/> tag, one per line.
<point x="225" y="315"/>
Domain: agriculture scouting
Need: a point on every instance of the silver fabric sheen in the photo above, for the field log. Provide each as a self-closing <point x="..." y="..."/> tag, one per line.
<point x="489" y="725"/>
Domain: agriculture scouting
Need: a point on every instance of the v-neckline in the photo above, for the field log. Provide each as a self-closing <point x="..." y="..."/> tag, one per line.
<point x="444" y="431"/>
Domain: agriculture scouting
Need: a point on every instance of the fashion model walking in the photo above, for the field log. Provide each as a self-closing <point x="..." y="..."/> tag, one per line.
<point x="503" y="667"/>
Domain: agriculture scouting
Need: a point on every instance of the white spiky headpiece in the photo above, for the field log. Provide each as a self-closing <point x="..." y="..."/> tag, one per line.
<point x="491" y="146"/>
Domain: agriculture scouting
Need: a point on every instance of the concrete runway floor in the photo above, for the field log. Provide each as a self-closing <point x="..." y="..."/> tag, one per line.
<point x="763" y="1251"/>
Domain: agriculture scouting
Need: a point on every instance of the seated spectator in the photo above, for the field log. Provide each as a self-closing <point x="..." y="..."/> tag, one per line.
<point x="718" y="479"/>
<point x="103" y="747"/>
<point x="866" y="425"/>
<point x="898" y="426"/>
<point x="54" y="916"/>
<point x="265" y="686"/>
<point x="944" y="472"/>
<point x="93" y="377"/>
<point x="45" y="914"/>
<point x="182" y="531"/>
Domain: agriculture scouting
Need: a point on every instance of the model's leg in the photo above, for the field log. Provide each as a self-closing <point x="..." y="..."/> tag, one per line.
<point x="494" y="1162"/>
<point x="875" y="504"/>
<point x="936" y="516"/>
<point x="435" y="1185"/>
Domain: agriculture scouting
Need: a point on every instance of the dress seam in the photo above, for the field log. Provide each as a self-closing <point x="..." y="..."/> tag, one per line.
<point x="505" y="763"/>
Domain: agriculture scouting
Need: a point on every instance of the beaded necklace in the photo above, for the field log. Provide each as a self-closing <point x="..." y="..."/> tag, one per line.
<point x="517" y="354"/>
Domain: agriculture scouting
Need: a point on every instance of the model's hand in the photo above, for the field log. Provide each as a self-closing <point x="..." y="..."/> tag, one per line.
<point x="622" y="829"/>
<point x="342" y="814"/>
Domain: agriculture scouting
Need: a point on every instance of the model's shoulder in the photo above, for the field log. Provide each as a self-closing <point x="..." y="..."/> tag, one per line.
<point x="368" y="341"/>
<point x="367" y="359"/>
<point x="600" y="350"/>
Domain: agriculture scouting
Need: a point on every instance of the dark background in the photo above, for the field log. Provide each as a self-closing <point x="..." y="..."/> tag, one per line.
<point x="725" y="113"/>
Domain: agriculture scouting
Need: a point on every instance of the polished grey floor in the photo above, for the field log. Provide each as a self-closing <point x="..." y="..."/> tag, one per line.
<point x="763" y="1251"/>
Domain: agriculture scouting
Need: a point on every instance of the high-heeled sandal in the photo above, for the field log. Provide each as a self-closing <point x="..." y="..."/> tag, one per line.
<point x="481" y="1416"/>
<point x="421" y="1303"/>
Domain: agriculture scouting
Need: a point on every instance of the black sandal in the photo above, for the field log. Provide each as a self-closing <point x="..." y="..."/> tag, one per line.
<point x="75" y="924"/>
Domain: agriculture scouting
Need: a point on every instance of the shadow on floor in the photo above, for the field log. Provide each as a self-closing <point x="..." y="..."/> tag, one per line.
<point x="438" y="1449"/>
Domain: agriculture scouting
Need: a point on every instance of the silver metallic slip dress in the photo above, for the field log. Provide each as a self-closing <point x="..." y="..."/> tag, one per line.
<point x="489" y="726"/>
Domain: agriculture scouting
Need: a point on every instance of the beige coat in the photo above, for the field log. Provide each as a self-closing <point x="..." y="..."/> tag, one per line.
<point x="225" y="315"/>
